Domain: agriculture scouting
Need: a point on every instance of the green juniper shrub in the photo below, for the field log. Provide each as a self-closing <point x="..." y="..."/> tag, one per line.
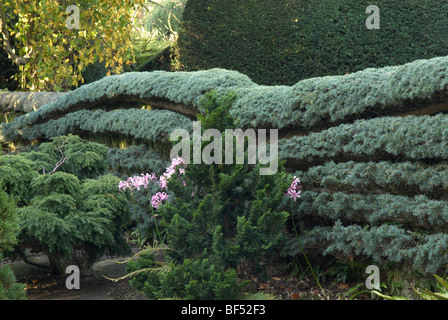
<point x="220" y="218"/>
<point x="8" y="221"/>
<point x="85" y="160"/>
<point x="73" y="211"/>
<point x="76" y="221"/>
<point x="16" y="175"/>
<point x="9" y="289"/>
<point x="197" y="279"/>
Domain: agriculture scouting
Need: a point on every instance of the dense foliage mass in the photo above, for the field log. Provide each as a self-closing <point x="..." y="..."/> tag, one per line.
<point x="309" y="104"/>
<point x="52" y="43"/>
<point x="9" y="227"/>
<point x="218" y="218"/>
<point x="69" y="206"/>
<point x="374" y="178"/>
<point x="283" y="42"/>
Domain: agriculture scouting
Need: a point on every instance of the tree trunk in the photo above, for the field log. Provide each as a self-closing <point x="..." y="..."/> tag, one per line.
<point x="25" y="101"/>
<point x="30" y="101"/>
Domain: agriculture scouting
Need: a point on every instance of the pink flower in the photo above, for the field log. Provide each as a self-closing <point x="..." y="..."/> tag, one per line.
<point x="158" y="198"/>
<point x="292" y="190"/>
<point x="163" y="196"/>
<point x="170" y="171"/>
<point x="137" y="182"/>
<point x="177" y="161"/>
<point x="145" y="179"/>
<point x="293" y="194"/>
<point x="163" y="181"/>
<point x="124" y="185"/>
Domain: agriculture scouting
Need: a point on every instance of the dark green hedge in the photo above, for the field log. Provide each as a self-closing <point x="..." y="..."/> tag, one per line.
<point x="284" y="41"/>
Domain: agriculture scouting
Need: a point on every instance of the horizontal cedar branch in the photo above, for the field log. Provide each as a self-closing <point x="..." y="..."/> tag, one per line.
<point x="30" y="101"/>
<point x="25" y="102"/>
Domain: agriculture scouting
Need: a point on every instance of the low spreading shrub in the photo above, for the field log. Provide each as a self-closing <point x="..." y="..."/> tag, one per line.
<point x="70" y="208"/>
<point x="9" y="288"/>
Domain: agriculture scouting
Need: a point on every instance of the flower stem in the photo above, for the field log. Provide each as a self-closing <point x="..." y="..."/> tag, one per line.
<point x="138" y="223"/>
<point x="303" y="252"/>
<point x="155" y="220"/>
<point x="157" y="228"/>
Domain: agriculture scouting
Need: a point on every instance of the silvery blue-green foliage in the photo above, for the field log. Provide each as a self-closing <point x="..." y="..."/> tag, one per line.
<point x="136" y="159"/>
<point x="418" y="212"/>
<point x="309" y="103"/>
<point x="398" y="138"/>
<point x="392" y="202"/>
<point x="150" y="126"/>
<point x="407" y="178"/>
<point x="179" y="87"/>
<point x="384" y="243"/>
<point x="338" y="99"/>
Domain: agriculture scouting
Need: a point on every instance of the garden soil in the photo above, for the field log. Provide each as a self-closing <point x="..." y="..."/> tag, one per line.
<point x="41" y="285"/>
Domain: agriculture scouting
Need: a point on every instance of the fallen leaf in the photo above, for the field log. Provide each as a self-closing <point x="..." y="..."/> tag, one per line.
<point x="364" y="295"/>
<point x="276" y="278"/>
<point x="262" y="286"/>
<point x="295" y="296"/>
<point x="342" y="286"/>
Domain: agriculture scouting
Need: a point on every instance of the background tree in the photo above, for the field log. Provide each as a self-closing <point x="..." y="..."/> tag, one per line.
<point x="52" y="56"/>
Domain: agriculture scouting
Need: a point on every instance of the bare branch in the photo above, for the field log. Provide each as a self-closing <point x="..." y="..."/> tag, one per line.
<point x="25" y="101"/>
<point x="62" y="160"/>
<point x="60" y="163"/>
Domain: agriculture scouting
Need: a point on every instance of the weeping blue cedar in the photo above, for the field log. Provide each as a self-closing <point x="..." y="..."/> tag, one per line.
<point x="346" y="165"/>
<point x="306" y="105"/>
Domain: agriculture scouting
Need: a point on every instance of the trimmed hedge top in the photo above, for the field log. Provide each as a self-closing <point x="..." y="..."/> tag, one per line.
<point x="280" y="42"/>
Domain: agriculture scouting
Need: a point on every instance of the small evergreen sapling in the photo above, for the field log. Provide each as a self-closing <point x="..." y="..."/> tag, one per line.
<point x="219" y="218"/>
